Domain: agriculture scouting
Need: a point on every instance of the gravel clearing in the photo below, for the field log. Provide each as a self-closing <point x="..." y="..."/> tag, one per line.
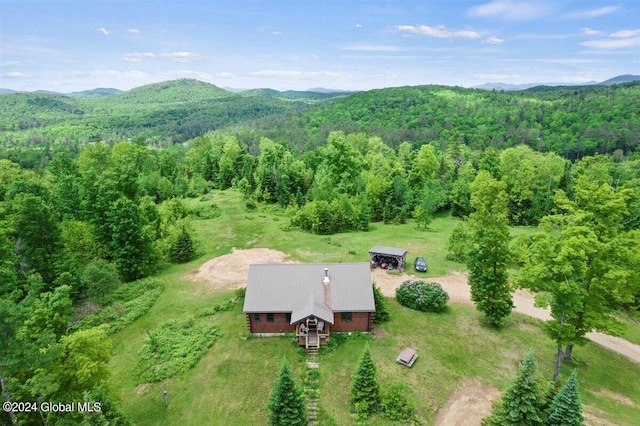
<point x="471" y="402"/>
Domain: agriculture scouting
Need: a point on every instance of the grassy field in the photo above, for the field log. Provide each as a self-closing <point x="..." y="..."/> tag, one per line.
<point x="232" y="382"/>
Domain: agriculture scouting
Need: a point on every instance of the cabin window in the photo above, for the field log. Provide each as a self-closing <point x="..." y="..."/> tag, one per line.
<point x="346" y="316"/>
<point x="288" y="317"/>
<point x="270" y="318"/>
<point x="256" y="317"/>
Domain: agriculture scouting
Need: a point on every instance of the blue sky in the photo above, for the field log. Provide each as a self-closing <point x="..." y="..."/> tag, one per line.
<point x="69" y="45"/>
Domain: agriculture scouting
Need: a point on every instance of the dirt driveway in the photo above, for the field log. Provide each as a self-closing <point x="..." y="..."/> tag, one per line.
<point x="230" y="271"/>
<point x="471" y="402"/>
<point x="459" y="292"/>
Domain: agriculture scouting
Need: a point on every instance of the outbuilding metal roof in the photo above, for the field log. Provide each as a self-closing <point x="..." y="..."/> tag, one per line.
<point x="393" y="251"/>
<point x="286" y="287"/>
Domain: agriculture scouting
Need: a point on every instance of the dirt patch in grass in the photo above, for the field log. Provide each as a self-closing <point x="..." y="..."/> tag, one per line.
<point x="468" y="405"/>
<point x="230" y="271"/>
<point x="616" y="397"/>
<point x="593" y="417"/>
<point x="455" y="283"/>
<point x="143" y="388"/>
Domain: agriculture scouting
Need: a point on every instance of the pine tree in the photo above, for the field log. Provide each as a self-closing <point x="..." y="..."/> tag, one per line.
<point x="365" y="389"/>
<point x="523" y="401"/>
<point x="566" y="409"/>
<point x="286" y="405"/>
<point x="183" y="247"/>
<point x="489" y="253"/>
<point x="382" y="310"/>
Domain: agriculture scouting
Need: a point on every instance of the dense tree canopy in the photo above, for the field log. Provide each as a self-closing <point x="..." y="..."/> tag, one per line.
<point x="585" y="263"/>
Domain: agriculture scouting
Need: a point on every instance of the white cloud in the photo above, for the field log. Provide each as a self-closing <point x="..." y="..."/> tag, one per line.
<point x="14" y="74"/>
<point x="626" y="33"/>
<point x="104" y="31"/>
<point x="440" y="31"/>
<point x="12" y="64"/>
<point x="134" y="30"/>
<point x="269" y="30"/>
<point x="508" y="10"/>
<point x="137" y="57"/>
<point x="107" y="74"/>
<point x="622" y="39"/>
<point x="198" y="75"/>
<point x="381" y="56"/>
<point x="591" y="13"/>
<point x="620" y="43"/>
<point x="495" y="77"/>
<point x="493" y="40"/>
<point x="567" y="61"/>
<point x="590" y="32"/>
<point x="294" y="75"/>
<point x="392" y="76"/>
<point x="542" y="36"/>
<point x="358" y="25"/>
<point x="371" y="48"/>
<point x="181" y="57"/>
<point x="224" y="75"/>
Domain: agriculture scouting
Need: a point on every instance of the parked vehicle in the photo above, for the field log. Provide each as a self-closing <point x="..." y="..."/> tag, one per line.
<point x="420" y="264"/>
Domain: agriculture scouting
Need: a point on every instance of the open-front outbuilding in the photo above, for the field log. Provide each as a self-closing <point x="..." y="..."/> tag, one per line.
<point x="388" y="257"/>
<point x="311" y="300"/>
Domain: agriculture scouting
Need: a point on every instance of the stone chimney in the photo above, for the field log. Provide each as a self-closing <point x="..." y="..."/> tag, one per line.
<point x="326" y="286"/>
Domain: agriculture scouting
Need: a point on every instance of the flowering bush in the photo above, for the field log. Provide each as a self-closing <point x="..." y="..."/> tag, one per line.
<point x="422" y="296"/>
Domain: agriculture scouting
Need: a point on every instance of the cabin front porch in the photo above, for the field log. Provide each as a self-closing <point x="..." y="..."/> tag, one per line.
<point x="312" y="333"/>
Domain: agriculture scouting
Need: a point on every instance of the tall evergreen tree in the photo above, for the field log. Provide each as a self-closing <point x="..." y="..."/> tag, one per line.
<point x="131" y="246"/>
<point x="524" y="400"/>
<point x="286" y="405"/>
<point x="365" y="389"/>
<point x="37" y="235"/>
<point x="382" y="310"/>
<point x="566" y="409"/>
<point x="489" y="255"/>
<point x="183" y="248"/>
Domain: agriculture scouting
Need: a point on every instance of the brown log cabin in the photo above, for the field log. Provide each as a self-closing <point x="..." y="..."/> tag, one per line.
<point x="311" y="300"/>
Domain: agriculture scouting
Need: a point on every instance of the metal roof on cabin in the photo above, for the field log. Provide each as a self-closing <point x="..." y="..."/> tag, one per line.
<point x="311" y="307"/>
<point x="388" y="250"/>
<point x="284" y="287"/>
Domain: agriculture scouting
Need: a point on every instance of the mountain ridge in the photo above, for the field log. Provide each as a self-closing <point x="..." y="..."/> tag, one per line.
<point x="106" y="92"/>
<point x="620" y="79"/>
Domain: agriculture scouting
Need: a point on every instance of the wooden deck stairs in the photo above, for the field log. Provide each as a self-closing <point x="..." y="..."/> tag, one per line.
<point x="312" y="342"/>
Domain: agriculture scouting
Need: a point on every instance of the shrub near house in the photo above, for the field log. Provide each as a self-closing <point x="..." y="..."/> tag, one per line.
<point x="422" y="296"/>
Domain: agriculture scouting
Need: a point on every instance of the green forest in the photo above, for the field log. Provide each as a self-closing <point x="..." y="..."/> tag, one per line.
<point x="105" y="200"/>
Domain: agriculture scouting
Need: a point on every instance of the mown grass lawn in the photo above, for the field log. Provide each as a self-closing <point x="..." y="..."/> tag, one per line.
<point x="231" y="383"/>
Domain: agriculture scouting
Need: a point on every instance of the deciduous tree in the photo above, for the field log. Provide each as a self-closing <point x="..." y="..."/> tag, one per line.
<point x="458" y="243"/>
<point x="584" y="264"/>
<point x="489" y="253"/>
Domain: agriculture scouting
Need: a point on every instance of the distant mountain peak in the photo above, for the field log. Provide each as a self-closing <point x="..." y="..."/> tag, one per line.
<point x="325" y="90"/>
<point x="621" y="79"/>
<point x="100" y="92"/>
